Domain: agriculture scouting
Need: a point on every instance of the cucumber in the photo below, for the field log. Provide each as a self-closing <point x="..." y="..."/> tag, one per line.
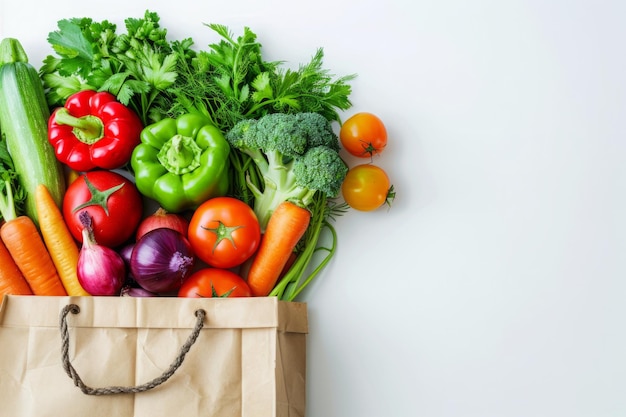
<point x="24" y="116"/>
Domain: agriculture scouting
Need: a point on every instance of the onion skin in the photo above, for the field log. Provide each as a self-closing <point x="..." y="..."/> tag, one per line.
<point x="161" y="218"/>
<point x="125" y="252"/>
<point x="161" y="260"/>
<point x="129" y="291"/>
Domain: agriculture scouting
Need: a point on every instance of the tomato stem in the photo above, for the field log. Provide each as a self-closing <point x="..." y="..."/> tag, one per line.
<point x="391" y="195"/>
<point x="222" y="232"/>
<point x="98" y="198"/>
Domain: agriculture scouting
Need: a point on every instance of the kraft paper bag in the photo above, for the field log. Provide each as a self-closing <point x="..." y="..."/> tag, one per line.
<point x="153" y="356"/>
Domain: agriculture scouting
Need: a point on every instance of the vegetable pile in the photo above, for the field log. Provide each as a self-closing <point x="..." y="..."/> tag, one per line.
<point x="136" y="165"/>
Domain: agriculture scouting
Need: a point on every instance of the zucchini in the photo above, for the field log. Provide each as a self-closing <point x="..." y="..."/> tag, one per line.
<point x="24" y="115"/>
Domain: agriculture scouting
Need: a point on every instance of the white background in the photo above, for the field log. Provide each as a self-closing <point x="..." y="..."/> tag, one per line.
<point x="495" y="286"/>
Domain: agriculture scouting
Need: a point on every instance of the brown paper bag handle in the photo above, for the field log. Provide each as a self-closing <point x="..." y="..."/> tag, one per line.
<point x="69" y="369"/>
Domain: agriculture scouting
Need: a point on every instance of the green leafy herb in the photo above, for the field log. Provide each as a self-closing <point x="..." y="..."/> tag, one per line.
<point x="137" y="66"/>
<point x="228" y="80"/>
<point x="12" y="194"/>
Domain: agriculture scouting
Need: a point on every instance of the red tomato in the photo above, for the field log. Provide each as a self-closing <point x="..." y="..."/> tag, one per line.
<point x="367" y="187"/>
<point x="363" y="135"/>
<point x="115" y="213"/>
<point x="224" y="232"/>
<point x="214" y="282"/>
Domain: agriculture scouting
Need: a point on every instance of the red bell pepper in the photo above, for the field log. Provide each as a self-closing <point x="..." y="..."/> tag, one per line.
<point x="94" y="130"/>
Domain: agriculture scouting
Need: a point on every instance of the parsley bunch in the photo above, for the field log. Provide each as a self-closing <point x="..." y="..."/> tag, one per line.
<point x="138" y="66"/>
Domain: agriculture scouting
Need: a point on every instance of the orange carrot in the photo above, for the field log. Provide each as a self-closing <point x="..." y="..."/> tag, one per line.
<point x="59" y="241"/>
<point x="11" y="279"/>
<point x="27" y="248"/>
<point x="284" y="229"/>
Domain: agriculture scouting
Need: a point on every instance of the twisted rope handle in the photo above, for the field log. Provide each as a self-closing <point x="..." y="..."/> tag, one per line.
<point x="71" y="372"/>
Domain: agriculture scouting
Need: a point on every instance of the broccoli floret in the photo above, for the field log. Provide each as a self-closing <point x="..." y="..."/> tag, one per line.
<point x="320" y="169"/>
<point x="296" y="155"/>
<point x="280" y="132"/>
<point x="318" y="130"/>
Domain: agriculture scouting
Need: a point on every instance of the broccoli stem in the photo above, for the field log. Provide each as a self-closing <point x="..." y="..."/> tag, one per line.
<point x="279" y="184"/>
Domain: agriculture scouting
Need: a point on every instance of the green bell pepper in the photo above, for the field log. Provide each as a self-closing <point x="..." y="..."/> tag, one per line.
<point x="181" y="162"/>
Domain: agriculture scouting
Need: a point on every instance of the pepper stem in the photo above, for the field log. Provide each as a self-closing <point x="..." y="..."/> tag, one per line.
<point x="87" y="129"/>
<point x="180" y="155"/>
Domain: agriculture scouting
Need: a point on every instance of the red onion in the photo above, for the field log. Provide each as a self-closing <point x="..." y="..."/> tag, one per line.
<point x="161" y="260"/>
<point x="125" y="252"/>
<point x="128" y="291"/>
<point x="101" y="270"/>
<point x="162" y="218"/>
